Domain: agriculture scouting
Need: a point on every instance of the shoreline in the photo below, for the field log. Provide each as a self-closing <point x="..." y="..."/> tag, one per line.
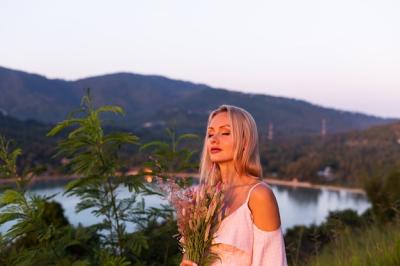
<point x="295" y="183"/>
<point x="273" y="181"/>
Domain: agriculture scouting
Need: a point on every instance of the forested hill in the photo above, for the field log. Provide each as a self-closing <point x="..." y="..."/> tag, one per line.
<point x="154" y="102"/>
<point x="347" y="158"/>
<point x="30" y="136"/>
<point x="351" y="156"/>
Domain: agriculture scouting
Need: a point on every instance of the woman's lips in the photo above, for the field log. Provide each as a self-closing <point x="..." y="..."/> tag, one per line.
<point x="215" y="150"/>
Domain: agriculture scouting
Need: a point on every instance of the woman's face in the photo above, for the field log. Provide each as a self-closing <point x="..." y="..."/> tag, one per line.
<point x="220" y="139"/>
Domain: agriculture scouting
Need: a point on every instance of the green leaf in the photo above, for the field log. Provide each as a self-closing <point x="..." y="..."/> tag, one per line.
<point x="187" y="136"/>
<point x="8" y="217"/>
<point x="156" y="144"/>
<point x="62" y="125"/>
<point x="137" y="242"/>
<point x="110" y="108"/>
<point x="121" y="138"/>
<point x="11" y="197"/>
<point x="14" y="154"/>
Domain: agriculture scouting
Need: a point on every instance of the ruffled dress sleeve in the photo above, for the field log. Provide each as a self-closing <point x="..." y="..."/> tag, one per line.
<point x="268" y="248"/>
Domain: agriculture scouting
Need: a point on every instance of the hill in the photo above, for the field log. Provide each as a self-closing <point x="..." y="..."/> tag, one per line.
<point x="30" y="136"/>
<point x="344" y="158"/>
<point x="154" y="102"/>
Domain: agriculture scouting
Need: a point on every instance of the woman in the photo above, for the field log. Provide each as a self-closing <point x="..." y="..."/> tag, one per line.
<point x="250" y="233"/>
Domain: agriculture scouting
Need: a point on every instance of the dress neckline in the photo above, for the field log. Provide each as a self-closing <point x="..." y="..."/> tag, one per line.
<point x="245" y="202"/>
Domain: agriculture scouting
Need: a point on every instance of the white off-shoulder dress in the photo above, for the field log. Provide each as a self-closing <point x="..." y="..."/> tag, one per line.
<point x="241" y="243"/>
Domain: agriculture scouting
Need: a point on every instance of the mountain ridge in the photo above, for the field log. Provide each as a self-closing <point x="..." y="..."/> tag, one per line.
<point x="156" y="101"/>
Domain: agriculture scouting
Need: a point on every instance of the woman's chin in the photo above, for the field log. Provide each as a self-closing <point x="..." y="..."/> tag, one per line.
<point x="216" y="159"/>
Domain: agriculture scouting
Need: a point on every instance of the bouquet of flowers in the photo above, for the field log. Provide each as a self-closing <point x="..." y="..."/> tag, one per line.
<point x="199" y="212"/>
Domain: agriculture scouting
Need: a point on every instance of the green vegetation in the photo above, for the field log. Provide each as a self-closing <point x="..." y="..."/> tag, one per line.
<point x="42" y="235"/>
<point x="305" y="242"/>
<point x="170" y="157"/>
<point x="94" y="158"/>
<point x="353" y="158"/>
<point x="31" y="137"/>
<point x="384" y="194"/>
<point x="345" y="239"/>
<point x="349" y="239"/>
<point x="374" y="246"/>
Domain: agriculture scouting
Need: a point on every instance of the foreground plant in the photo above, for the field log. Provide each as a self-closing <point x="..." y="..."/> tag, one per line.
<point x="169" y="158"/>
<point x="373" y="245"/>
<point x="94" y="157"/>
<point x="15" y="204"/>
<point x="38" y="231"/>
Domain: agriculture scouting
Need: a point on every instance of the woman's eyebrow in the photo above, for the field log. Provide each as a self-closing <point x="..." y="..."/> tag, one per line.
<point x="220" y="126"/>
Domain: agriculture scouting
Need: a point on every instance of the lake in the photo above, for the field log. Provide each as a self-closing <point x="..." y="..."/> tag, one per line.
<point x="298" y="206"/>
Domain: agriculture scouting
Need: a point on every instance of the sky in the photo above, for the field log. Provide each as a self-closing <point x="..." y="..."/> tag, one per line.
<point x="343" y="54"/>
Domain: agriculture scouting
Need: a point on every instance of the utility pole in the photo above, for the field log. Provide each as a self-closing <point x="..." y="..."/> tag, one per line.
<point x="323" y="127"/>
<point x="270" y="131"/>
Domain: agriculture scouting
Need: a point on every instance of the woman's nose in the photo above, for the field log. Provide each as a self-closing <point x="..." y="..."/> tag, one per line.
<point x="214" y="138"/>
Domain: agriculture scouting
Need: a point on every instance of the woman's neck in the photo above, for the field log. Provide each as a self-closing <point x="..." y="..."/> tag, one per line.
<point x="229" y="175"/>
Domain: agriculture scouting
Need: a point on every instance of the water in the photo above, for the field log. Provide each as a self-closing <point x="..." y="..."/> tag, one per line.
<point x="306" y="206"/>
<point x="297" y="206"/>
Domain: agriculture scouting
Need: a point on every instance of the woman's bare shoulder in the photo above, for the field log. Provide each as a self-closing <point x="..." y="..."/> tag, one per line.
<point x="264" y="208"/>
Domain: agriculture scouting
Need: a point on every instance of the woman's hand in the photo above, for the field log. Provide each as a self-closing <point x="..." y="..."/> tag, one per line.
<point x="186" y="262"/>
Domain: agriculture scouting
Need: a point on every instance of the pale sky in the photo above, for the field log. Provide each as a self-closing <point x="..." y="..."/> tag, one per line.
<point x="343" y="54"/>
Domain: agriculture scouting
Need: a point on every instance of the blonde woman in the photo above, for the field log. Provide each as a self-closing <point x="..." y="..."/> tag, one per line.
<point x="250" y="233"/>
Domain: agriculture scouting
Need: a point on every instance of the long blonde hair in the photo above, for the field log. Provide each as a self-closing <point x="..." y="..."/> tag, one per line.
<point x="246" y="152"/>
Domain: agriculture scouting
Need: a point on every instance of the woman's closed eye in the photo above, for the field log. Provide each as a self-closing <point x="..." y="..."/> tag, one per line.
<point x="224" y="134"/>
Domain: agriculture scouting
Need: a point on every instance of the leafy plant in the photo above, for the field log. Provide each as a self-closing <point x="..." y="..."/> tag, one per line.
<point x="94" y="157"/>
<point x="384" y="194"/>
<point x="39" y="233"/>
<point x="168" y="158"/>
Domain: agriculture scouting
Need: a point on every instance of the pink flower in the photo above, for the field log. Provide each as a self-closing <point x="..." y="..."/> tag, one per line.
<point x="198" y="213"/>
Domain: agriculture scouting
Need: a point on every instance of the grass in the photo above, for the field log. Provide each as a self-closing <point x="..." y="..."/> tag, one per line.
<point x="377" y="246"/>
